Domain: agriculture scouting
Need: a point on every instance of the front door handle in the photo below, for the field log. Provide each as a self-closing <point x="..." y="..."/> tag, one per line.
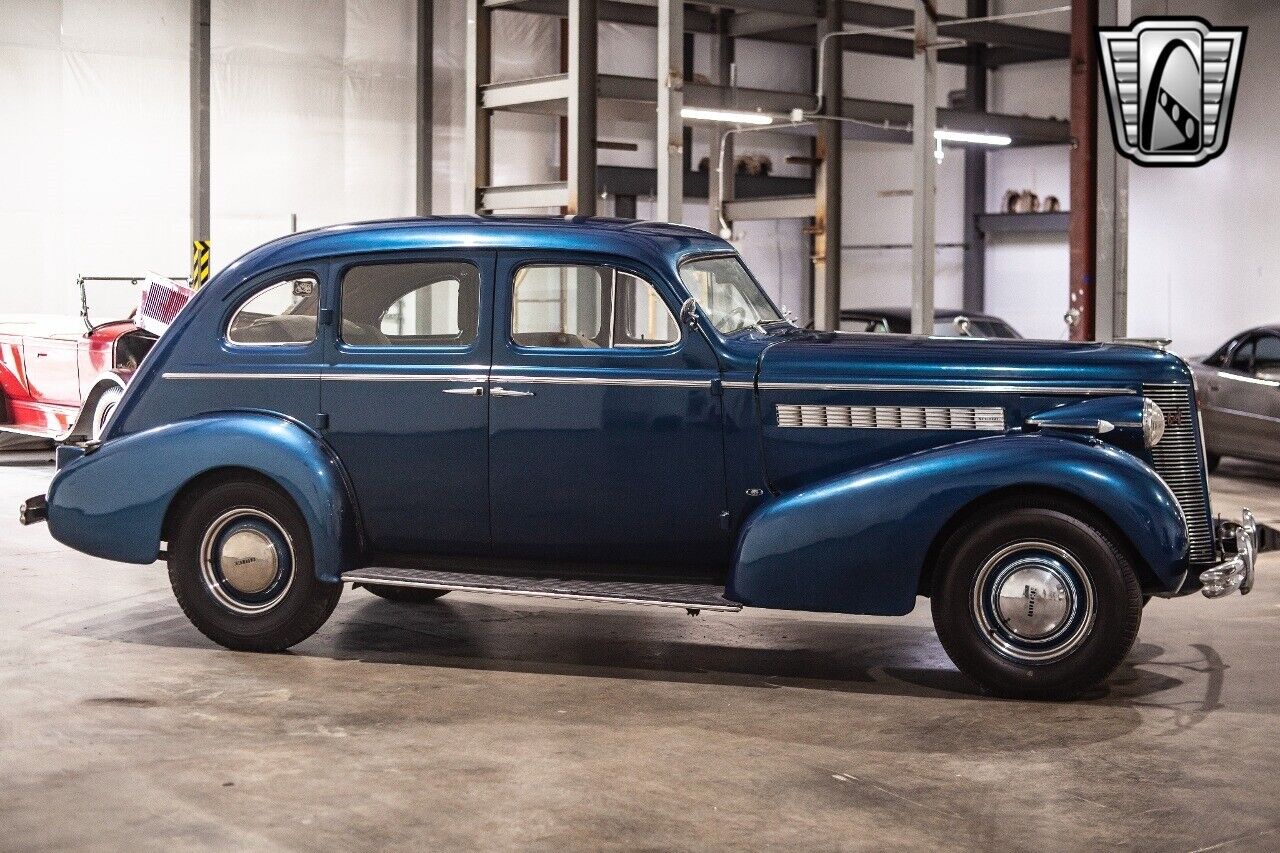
<point x="505" y="392"/>
<point x="477" y="391"/>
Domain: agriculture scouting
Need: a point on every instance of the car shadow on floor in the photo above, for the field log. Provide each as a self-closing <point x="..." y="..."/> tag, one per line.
<point x="875" y="658"/>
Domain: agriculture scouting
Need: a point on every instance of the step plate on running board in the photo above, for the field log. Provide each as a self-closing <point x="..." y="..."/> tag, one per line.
<point x="687" y="596"/>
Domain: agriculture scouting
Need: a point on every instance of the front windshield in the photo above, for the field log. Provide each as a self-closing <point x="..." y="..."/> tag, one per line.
<point x="727" y="293"/>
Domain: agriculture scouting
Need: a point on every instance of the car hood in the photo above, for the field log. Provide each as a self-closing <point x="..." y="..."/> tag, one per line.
<point x="912" y="360"/>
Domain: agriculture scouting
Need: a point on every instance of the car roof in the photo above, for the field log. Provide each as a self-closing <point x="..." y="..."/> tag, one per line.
<point x="570" y="233"/>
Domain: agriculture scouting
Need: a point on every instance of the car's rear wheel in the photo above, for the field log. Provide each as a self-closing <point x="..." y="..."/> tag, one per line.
<point x="241" y="567"/>
<point x="1036" y="602"/>
<point x="404" y="594"/>
<point x="103" y="409"/>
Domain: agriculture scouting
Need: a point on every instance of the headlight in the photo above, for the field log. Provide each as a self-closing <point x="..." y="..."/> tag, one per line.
<point x="1152" y="423"/>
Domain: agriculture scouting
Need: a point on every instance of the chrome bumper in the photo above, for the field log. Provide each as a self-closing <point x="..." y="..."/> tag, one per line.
<point x="1236" y="572"/>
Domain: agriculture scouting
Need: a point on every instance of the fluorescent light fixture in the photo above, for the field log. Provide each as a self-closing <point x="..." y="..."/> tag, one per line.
<point x="976" y="138"/>
<point x="728" y="116"/>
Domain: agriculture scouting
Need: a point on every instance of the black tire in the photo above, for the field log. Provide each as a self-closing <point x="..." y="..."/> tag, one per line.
<point x="1212" y="462"/>
<point x="293" y="604"/>
<point x="1090" y="600"/>
<point x="404" y="594"/>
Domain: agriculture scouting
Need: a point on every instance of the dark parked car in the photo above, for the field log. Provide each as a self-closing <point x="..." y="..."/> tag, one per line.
<point x="617" y="412"/>
<point x="1239" y="390"/>
<point x="947" y="323"/>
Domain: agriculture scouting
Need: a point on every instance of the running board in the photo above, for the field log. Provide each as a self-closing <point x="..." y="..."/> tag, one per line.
<point x="691" y="597"/>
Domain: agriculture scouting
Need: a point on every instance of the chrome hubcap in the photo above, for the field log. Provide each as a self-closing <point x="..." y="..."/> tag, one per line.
<point x="246" y="561"/>
<point x="1033" y="602"/>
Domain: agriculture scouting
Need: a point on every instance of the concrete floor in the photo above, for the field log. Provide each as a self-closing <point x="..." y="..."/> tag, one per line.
<point x="485" y="722"/>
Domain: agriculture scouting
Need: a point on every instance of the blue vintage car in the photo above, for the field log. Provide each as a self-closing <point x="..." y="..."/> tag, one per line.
<point x="615" y="411"/>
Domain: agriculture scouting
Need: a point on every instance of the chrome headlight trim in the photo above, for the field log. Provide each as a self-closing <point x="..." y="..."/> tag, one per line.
<point x="1152" y="423"/>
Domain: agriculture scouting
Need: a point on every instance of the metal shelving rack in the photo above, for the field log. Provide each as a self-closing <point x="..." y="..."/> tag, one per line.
<point x="581" y="91"/>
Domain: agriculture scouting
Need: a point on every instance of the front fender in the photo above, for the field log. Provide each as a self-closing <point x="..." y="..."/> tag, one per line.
<point x="112" y="502"/>
<point x="857" y="543"/>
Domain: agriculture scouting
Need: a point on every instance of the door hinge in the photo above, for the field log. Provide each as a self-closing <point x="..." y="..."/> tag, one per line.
<point x="717" y="387"/>
<point x="322" y="421"/>
<point x="326" y="317"/>
<point x="724" y="519"/>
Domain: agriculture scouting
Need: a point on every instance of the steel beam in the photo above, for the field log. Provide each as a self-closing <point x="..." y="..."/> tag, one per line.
<point x="779" y="207"/>
<point x="975" y="174"/>
<point x="1111" y="319"/>
<point x="1082" y="237"/>
<point x="425" y="120"/>
<point x="477" y="169"/>
<point x="925" y="172"/>
<point x="583" y="74"/>
<point x="634" y="98"/>
<point x="792" y="22"/>
<point x="537" y="94"/>
<point x="720" y="190"/>
<point x="827" y="225"/>
<point x="670" y="135"/>
<point x="200" y="98"/>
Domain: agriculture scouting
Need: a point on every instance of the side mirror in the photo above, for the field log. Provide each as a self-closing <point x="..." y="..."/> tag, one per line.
<point x="689" y="313"/>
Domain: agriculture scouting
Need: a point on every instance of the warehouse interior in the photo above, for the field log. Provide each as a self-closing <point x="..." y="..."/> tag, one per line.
<point x="919" y="155"/>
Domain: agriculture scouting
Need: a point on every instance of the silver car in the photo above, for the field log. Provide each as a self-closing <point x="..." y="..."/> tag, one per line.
<point x="1239" y="392"/>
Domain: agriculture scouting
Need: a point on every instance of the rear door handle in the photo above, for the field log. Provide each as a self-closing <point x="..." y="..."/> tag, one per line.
<point x="505" y="392"/>
<point x="476" y="391"/>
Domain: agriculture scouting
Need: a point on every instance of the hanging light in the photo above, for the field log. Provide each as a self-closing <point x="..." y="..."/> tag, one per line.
<point x="975" y="138"/>
<point x="727" y="116"/>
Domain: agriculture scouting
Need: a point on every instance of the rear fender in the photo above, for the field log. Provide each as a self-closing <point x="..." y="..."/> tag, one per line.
<point x="857" y="543"/>
<point x="112" y="502"/>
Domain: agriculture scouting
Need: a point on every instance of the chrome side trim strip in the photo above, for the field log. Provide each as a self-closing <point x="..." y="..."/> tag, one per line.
<point x="1241" y="414"/>
<point x="339" y="377"/>
<point x="404" y="377"/>
<point x="1042" y="390"/>
<point x="212" y="375"/>
<point x="632" y="381"/>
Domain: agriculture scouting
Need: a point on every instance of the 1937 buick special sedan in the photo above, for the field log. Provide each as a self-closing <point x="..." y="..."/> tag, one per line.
<point x="616" y="411"/>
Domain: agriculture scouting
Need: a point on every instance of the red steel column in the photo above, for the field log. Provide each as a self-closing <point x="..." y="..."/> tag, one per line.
<point x="1084" y="178"/>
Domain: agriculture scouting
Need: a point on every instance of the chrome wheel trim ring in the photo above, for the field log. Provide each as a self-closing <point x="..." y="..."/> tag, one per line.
<point x="213" y="551"/>
<point x="1053" y="580"/>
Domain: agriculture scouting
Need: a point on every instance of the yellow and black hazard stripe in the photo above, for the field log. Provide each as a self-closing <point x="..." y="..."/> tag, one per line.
<point x="199" y="262"/>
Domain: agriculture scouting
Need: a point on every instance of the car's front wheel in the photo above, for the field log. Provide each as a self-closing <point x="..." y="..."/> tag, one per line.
<point x="241" y="567"/>
<point x="1036" y="602"/>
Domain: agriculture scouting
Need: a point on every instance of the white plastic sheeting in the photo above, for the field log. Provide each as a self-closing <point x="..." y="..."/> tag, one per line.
<point x="313" y="110"/>
<point x="93" y="141"/>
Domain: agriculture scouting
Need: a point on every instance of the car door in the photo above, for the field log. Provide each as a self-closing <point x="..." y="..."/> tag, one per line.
<point x="53" y="371"/>
<point x="604" y="422"/>
<point x="1237" y="402"/>
<point x="1265" y="400"/>
<point x="405" y="398"/>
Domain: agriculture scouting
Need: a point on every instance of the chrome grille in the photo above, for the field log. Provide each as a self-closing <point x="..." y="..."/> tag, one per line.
<point x="1178" y="460"/>
<point x="981" y="418"/>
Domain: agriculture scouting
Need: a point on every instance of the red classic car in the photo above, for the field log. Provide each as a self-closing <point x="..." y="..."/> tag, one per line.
<point x="60" y="376"/>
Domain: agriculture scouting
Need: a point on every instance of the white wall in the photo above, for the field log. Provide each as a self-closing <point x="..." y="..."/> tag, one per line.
<point x="1203" y="241"/>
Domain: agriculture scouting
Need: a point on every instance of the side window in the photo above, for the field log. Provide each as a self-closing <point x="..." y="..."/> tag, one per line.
<point x="573" y="306"/>
<point x="1266" y="358"/>
<point x="420" y="303"/>
<point x="282" y="313"/>
<point x="1242" y="358"/>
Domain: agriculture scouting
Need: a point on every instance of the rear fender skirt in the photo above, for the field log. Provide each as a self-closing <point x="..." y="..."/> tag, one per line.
<point x="857" y="543"/>
<point x="112" y="502"/>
